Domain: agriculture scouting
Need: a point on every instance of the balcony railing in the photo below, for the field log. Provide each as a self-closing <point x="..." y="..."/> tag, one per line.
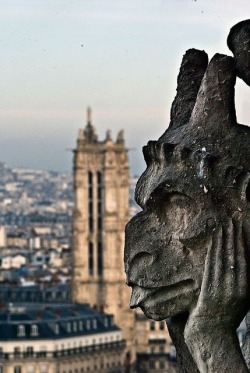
<point x="118" y="345"/>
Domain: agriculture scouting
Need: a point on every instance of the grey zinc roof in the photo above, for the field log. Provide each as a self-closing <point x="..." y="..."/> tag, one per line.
<point x="47" y="316"/>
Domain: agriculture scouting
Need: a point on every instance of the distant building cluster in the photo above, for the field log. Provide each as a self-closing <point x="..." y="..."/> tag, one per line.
<point x="61" y="248"/>
<point x="35" y="226"/>
<point x="34" y="196"/>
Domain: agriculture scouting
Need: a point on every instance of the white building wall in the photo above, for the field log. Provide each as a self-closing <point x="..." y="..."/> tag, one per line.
<point x="2" y="236"/>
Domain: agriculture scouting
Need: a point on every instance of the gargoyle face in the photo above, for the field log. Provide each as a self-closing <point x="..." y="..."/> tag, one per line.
<point x="163" y="272"/>
<point x="166" y="243"/>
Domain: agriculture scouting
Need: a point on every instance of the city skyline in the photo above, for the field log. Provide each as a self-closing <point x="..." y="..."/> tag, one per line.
<point x="121" y="58"/>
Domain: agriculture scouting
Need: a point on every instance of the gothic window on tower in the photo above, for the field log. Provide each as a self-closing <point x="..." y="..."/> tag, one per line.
<point x="90" y="195"/>
<point x="99" y="259"/>
<point x="99" y="200"/>
<point x="91" y="259"/>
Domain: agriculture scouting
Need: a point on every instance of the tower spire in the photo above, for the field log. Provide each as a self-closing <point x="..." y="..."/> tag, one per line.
<point x="89" y="114"/>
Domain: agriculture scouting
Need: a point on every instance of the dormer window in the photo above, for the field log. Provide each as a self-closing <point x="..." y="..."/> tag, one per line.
<point x="34" y="331"/>
<point x="94" y="324"/>
<point x="80" y="324"/>
<point x="88" y="324"/>
<point x="75" y="326"/>
<point x="56" y="329"/>
<point x="106" y="322"/>
<point x="21" y="331"/>
<point x="68" y="327"/>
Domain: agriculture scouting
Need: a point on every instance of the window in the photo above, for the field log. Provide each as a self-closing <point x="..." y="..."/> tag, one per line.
<point x="90" y="192"/>
<point x="152" y="350"/>
<point x="80" y="324"/>
<point x="75" y="326"/>
<point x="99" y="223"/>
<point x="99" y="201"/>
<point x="91" y="259"/>
<point x="94" y="324"/>
<point x="43" y="350"/>
<point x="99" y="184"/>
<point x="91" y="224"/>
<point x="30" y="351"/>
<point x="1" y="352"/>
<point x="161" y="349"/>
<point x="1" y="369"/>
<point x="152" y="325"/>
<point x="17" y="352"/>
<point x="162" y="325"/>
<point x="56" y="329"/>
<point x="88" y="324"/>
<point x="17" y="369"/>
<point x="34" y="331"/>
<point x="99" y="259"/>
<point x="106" y="322"/>
<point x="90" y="178"/>
<point x="152" y="364"/>
<point x="68" y="327"/>
<point x="162" y="365"/>
<point x="21" y="331"/>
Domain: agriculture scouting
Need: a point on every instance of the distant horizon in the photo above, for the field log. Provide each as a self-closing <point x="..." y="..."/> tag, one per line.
<point x="121" y="58"/>
<point x="46" y="170"/>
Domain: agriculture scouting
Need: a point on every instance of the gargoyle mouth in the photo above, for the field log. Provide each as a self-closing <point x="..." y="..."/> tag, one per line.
<point x="164" y="293"/>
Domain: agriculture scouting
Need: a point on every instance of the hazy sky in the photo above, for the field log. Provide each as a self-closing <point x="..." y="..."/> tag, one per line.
<point x="121" y="57"/>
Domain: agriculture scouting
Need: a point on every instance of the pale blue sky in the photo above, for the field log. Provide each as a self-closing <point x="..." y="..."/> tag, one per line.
<point x="121" y="57"/>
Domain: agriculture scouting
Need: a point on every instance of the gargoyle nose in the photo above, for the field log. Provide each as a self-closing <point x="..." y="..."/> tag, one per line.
<point x="137" y="268"/>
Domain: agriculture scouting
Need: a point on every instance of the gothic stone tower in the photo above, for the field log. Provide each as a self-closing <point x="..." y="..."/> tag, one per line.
<point x="101" y="185"/>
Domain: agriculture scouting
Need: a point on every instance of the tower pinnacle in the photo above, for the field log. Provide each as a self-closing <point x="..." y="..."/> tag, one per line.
<point x="89" y="114"/>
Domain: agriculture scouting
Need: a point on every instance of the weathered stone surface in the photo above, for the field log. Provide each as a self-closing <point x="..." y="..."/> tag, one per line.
<point x="187" y="253"/>
<point x="192" y="69"/>
<point x="239" y="43"/>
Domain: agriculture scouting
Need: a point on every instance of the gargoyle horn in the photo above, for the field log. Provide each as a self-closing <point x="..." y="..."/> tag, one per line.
<point x="214" y="110"/>
<point x="192" y="70"/>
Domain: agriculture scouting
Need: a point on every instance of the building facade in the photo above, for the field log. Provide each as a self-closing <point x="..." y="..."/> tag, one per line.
<point x="59" y="338"/>
<point x="101" y="190"/>
<point x="154" y="349"/>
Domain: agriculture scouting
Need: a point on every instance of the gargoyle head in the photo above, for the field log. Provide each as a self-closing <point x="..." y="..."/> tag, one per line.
<point x="197" y="176"/>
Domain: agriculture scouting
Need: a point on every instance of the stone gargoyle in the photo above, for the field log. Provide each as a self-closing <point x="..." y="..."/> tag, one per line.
<point x="187" y="253"/>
